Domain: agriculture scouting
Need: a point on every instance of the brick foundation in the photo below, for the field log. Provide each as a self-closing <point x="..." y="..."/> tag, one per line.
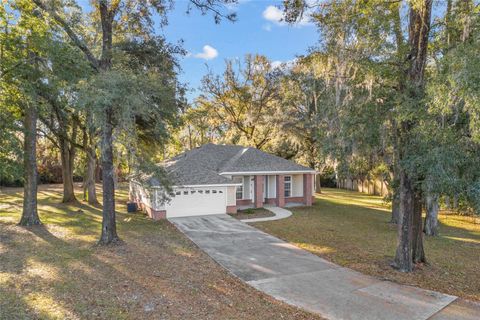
<point x="231" y="209"/>
<point x="155" y="214"/>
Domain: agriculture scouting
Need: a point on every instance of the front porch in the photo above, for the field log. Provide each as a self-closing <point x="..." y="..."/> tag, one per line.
<point x="281" y="190"/>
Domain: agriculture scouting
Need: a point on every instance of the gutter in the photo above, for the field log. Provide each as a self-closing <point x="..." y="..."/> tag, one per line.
<point x="267" y="172"/>
<point x="202" y="185"/>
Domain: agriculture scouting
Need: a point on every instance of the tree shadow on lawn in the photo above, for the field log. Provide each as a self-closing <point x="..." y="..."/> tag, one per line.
<point x="450" y="226"/>
<point x="363" y="213"/>
<point x="28" y="266"/>
<point x="62" y="245"/>
<point x="79" y="217"/>
<point x="80" y="279"/>
<point x="55" y="271"/>
<point x="40" y="269"/>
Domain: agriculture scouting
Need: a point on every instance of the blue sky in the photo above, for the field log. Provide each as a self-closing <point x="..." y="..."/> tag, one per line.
<point x="257" y="30"/>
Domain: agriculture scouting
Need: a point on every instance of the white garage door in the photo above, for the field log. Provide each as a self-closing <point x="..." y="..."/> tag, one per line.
<point x="197" y="201"/>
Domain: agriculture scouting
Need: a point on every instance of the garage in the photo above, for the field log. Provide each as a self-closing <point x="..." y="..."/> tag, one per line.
<point x="197" y="201"/>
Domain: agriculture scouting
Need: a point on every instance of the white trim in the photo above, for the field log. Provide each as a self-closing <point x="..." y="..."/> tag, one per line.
<point x="200" y="185"/>
<point x="259" y="173"/>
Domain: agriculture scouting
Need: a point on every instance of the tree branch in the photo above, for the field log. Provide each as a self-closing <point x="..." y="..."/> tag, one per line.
<point x="209" y="5"/>
<point x="73" y="36"/>
<point x="47" y="136"/>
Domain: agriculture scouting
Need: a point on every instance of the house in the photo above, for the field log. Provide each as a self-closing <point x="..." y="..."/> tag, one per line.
<point x="215" y="179"/>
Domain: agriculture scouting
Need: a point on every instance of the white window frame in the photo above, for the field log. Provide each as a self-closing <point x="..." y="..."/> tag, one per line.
<point x="290" y="183"/>
<point x="239" y="188"/>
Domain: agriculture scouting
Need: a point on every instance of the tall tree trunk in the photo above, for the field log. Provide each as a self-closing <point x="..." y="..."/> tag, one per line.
<point x="395" y="219"/>
<point x="410" y="240"/>
<point x="418" y="252"/>
<point x="89" y="147"/>
<point x="403" y="256"/>
<point x="109" y="229"/>
<point x="98" y="173"/>
<point x="30" y="213"/>
<point x="89" y="191"/>
<point x="67" y="155"/>
<point x="431" y="219"/>
<point x="109" y="224"/>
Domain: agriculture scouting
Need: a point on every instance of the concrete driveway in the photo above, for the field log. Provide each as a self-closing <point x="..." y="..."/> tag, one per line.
<point x="305" y="280"/>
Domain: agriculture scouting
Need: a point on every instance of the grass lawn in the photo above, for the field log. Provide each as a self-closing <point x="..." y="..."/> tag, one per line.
<point x="352" y="230"/>
<point x="57" y="272"/>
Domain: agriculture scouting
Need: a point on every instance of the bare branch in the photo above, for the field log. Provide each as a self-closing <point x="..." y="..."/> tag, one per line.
<point x="209" y="5"/>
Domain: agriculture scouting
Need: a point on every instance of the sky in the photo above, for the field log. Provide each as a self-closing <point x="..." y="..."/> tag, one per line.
<point x="258" y="29"/>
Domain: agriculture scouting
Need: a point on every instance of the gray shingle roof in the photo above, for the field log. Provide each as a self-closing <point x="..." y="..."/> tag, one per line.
<point x="203" y="165"/>
<point x="254" y="160"/>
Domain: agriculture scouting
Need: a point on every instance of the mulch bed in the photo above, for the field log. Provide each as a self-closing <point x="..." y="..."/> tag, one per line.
<point x="252" y="214"/>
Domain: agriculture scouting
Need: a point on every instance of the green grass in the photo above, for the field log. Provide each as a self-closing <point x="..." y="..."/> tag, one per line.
<point x="56" y="271"/>
<point x="352" y="230"/>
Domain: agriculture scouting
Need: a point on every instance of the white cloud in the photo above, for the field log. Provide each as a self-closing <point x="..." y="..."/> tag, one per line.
<point x="275" y="15"/>
<point x="208" y="53"/>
